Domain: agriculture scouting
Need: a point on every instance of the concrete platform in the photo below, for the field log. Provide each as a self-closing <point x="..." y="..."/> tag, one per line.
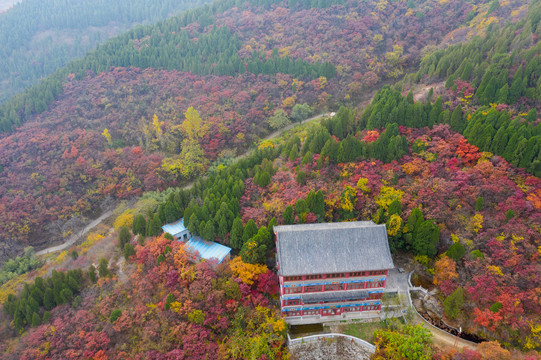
<point x="397" y="281"/>
<point x="314" y="319"/>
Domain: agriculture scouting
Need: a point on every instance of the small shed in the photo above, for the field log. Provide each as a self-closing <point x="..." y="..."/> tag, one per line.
<point x="177" y="230"/>
<point x="207" y="250"/>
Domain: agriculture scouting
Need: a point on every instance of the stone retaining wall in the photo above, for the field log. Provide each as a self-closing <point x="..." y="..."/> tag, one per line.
<point x="330" y="346"/>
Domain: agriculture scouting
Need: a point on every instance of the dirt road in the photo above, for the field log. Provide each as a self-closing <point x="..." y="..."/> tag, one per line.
<point x="73" y="238"/>
<point x="292" y="125"/>
<point x="105" y="215"/>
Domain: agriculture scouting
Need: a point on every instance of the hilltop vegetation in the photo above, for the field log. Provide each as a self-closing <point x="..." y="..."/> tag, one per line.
<point x="372" y="49"/>
<point x="39" y="37"/>
<point x="164" y="305"/>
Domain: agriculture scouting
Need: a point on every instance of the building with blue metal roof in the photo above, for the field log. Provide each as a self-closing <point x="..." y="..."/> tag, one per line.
<point x="207" y="249"/>
<point x="202" y="248"/>
<point x="177" y="230"/>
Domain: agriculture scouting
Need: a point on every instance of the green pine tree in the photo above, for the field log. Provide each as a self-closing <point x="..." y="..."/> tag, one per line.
<point x="236" y="234"/>
<point x="456" y="120"/>
<point x="288" y="215"/>
<point x="155" y="226"/>
<point x="209" y="233"/>
<point x="516" y="89"/>
<point x="48" y="299"/>
<point x="454" y="303"/>
<point x="92" y="274"/>
<point x="103" y="268"/>
<point x="479" y="203"/>
<point x="124" y="236"/>
<point x="249" y="231"/>
<point x="128" y="251"/>
<point x="46" y="317"/>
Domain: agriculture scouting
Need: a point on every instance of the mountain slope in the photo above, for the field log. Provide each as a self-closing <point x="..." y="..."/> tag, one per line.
<point x="39" y="37"/>
<point x="234" y="84"/>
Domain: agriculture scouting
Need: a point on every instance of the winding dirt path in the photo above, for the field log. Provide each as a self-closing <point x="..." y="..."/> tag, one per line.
<point x="73" y="238"/>
<point x="292" y="125"/>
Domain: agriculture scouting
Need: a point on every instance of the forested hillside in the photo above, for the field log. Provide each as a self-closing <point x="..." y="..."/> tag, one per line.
<point x="470" y="218"/>
<point x="241" y="67"/>
<point x="452" y="171"/>
<point x="372" y="49"/>
<point x="40" y="36"/>
<point x="159" y="304"/>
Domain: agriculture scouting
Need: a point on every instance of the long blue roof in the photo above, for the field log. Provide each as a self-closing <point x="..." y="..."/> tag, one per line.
<point x="175" y="227"/>
<point x="207" y="249"/>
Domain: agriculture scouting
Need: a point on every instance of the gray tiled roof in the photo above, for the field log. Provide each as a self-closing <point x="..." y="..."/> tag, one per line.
<point x="332" y="248"/>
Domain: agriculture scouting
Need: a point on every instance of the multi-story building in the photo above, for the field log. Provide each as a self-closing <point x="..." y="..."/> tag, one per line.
<point x="331" y="271"/>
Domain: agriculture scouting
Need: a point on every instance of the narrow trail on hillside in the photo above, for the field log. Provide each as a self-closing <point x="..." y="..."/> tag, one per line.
<point x="73" y="238"/>
<point x="268" y="137"/>
<point x="292" y="125"/>
<point x="366" y="100"/>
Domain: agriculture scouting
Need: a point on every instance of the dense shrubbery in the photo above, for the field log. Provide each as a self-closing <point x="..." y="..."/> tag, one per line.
<point x="117" y="109"/>
<point x="19" y="265"/>
<point x="488" y="128"/>
<point x="504" y="66"/>
<point x="42" y="296"/>
<point x="428" y="199"/>
<point x="172" y="308"/>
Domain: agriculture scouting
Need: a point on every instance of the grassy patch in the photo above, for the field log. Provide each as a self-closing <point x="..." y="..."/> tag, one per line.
<point x="305" y="330"/>
<point x="363" y="331"/>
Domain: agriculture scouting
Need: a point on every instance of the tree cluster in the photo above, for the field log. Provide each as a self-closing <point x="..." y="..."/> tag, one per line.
<point x="33" y="305"/>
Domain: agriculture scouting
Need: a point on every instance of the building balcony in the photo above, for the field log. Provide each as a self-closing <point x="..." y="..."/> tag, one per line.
<point x="287" y="291"/>
<point x="328" y="281"/>
<point x="332" y="304"/>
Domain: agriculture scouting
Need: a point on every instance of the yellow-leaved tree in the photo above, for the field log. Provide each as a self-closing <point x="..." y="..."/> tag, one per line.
<point x="387" y="195"/>
<point x="362" y="185"/>
<point x="157" y="125"/>
<point x="193" y="125"/>
<point x="192" y="161"/>
<point x="247" y="273"/>
<point x="124" y="219"/>
<point x="348" y="199"/>
<point x="107" y="136"/>
<point x="445" y="269"/>
<point x="476" y="223"/>
<point x="394" y="224"/>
